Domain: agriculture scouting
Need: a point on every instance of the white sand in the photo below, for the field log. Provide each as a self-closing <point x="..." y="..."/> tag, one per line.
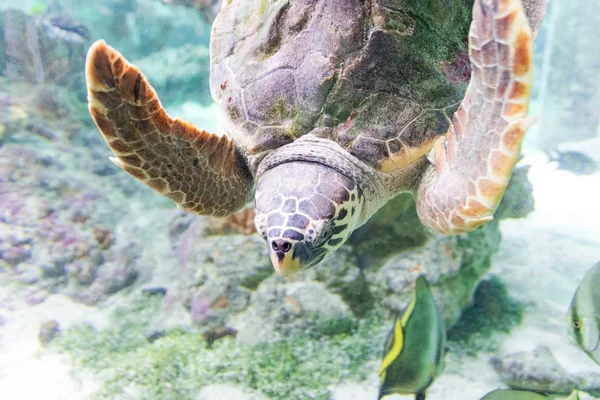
<point x="27" y="372"/>
<point x="541" y="260"/>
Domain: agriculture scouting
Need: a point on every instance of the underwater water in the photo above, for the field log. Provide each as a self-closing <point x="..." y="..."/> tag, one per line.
<point x="109" y="291"/>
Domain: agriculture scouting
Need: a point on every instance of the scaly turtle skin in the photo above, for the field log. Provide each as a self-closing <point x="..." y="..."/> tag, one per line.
<point x="330" y="109"/>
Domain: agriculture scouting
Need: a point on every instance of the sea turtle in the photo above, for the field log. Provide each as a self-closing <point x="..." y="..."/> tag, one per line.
<point x="330" y="109"/>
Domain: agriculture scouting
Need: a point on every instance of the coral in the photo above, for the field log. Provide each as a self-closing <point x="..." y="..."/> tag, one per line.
<point x="51" y="234"/>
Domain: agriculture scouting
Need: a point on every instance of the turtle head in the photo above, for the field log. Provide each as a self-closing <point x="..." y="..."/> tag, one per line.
<point x="305" y="211"/>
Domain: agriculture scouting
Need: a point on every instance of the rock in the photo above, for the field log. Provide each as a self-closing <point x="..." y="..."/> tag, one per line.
<point x="394" y="228"/>
<point x="48" y="332"/>
<point x="538" y="370"/>
<point x="227" y="392"/>
<point x="28" y="51"/>
<point x="281" y="308"/>
<point x="518" y="201"/>
<point x="53" y="233"/>
<point x="15" y="255"/>
<point x="173" y="316"/>
<point x="453" y="265"/>
<point x="342" y="275"/>
<point x="216" y="274"/>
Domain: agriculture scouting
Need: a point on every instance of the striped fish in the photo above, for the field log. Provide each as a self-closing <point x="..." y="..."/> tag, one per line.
<point x="414" y="350"/>
<point x="584" y="314"/>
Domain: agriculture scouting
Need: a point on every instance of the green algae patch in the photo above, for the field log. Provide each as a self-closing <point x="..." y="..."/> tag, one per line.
<point x="179" y="364"/>
<point x="492" y="311"/>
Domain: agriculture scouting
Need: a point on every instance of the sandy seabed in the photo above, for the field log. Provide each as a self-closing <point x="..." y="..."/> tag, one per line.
<point x="541" y="260"/>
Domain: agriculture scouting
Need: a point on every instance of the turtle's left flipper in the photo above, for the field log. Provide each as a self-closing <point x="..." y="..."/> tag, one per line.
<point x="473" y="162"/>
<point x="202" y="172"/>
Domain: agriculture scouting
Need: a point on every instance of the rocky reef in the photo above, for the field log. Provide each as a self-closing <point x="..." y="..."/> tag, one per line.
<point x="72" y="224"/>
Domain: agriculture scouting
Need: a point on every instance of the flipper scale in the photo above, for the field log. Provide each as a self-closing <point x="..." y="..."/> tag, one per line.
<point x="202" y="172"/>
<point x="473" y="162"/>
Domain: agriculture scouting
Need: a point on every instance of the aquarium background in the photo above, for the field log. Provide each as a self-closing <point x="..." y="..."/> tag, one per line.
<point x="108" y="291"/>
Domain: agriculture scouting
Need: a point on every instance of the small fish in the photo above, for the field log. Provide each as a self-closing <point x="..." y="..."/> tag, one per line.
<point x="155" y="291"/>
<point x="413" y="354"/>
<point x="573" y="161"/>
<point x="507" y="394"/>
<point x="219" y="333"/>
<point x="584" y="314"/>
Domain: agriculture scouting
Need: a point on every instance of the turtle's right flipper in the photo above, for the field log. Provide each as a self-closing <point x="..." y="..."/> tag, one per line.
<point x="473" y="162"/>
<point x="202" y="172"/>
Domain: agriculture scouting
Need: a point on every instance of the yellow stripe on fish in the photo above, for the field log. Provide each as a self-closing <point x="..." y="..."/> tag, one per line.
<point x="413" y="351"/>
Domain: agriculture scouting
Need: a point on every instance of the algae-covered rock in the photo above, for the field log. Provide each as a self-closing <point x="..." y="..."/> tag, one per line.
<point x="281" y="308"/>
<point x="518" y="200"/>
<point x="221" y="276"/>
<point x="342" y="275"/>
<point x="216" y="274"/>
<point x="56" y="230"/>
<point x="452" y="265"/>
<point x="538" y="370"/>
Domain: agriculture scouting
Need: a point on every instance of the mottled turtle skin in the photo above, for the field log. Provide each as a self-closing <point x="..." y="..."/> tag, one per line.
<point x="330" y="108"/>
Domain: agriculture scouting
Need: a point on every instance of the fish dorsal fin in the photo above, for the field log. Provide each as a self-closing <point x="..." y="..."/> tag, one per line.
<point x="409" y="309"/>
<point x="591" y="334"/>
<point x="396" y="349"/>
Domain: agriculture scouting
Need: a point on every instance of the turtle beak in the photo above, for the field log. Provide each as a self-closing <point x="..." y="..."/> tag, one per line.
<point x="288" y="257"/>
<point x="285" y="263"/>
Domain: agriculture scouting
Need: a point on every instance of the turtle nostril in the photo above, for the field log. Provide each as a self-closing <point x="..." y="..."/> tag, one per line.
<point x="281" y="245"/>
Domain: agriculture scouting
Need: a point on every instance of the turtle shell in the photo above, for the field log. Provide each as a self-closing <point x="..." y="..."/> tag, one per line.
<point x="380" y="77"/>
